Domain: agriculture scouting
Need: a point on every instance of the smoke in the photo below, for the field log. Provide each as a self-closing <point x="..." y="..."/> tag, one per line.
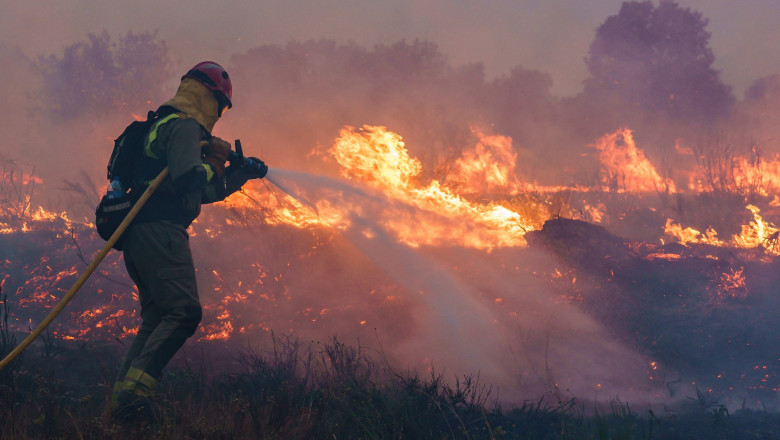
<point x="538" y="347"/>
<point x="451" y="323"/>
<point x="293" y="95"/>
<point x="551" y="36"/>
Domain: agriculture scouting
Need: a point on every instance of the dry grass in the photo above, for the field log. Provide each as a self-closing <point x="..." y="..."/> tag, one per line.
<point x="289" y="390"/>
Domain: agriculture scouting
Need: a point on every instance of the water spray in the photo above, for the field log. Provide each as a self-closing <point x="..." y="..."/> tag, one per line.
<point x="452" y="312"/>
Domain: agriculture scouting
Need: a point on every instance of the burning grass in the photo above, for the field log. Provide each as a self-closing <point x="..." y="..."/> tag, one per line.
<point x="457" y="268"/>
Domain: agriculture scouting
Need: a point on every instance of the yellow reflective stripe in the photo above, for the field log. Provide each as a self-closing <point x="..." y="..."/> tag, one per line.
<point x="140" y="382"/>
<point x="119" y="386"/>
<point x="153" y="135"/>
<point x="209" y="171"/>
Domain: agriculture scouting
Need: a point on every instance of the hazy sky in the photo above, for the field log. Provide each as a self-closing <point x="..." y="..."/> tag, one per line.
<point x="548" y="35"/>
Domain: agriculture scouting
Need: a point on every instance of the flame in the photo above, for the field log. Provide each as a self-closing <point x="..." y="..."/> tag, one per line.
<point x="624" y="168"/>
<point x="663" y="256"/>
<point x="416" y="213"/>
<point x="758" y="233"/>
<point x="594" y="213"/>
<point x="41" y="214"/>
<point x="31" y="220"/>
<point x="690" y="235"/>
<point x="378" y="157"/>
<point x="722" y="170"/>
<point x="445" y="215"/>
<point x="489" y="167"/>
<point x="763" y="177"/>
<point x="479" y="203"/>
<point x="216" y="331"/>
<point x="261" y="205"/>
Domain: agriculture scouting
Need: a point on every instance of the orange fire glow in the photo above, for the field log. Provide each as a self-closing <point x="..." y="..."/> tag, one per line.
<point x="758" y="233"/>
<point x="689" y="235"/>
<point x="488" y="168"/>
<point x="417" y="213"/>
<point x="738" y="174"/>
<point x="625" y="168"/>
<point x="378" y="157"/>
<point x="478" y="203"/>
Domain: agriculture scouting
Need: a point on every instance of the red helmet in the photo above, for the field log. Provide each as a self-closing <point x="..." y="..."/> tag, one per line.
<point x="216" y="79"/>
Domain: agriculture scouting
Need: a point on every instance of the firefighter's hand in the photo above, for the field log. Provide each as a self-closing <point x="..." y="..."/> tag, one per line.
<point x="237" y="175"/>
<point x="217" y="151"/>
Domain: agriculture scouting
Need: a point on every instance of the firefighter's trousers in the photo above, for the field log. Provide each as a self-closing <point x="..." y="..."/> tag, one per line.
<point x="158" y="258"/>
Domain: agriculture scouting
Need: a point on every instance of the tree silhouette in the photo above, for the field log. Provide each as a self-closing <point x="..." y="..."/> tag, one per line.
<point x="98" y="76"/>
<point x="657" y="60"/>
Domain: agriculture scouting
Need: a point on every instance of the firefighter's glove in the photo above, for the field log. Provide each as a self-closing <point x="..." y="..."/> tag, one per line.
<point x="235" y="178"/>
<point x="237" y="175"/>
<point x="217" y="151"/>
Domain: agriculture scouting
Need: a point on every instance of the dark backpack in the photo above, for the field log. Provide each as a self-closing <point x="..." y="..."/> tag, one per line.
<point x="127" y="153"/>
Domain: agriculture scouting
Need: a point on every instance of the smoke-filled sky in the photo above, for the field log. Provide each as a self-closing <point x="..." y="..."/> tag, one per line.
<point x="552" y="35"/>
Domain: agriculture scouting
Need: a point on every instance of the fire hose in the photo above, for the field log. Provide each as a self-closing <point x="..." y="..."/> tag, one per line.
<point x="90" y="269"/>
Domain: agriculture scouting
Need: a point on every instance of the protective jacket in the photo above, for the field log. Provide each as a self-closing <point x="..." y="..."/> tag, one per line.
<point x="175" y="141"/>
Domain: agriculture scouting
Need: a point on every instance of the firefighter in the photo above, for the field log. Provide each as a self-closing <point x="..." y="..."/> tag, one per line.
<point x="156" y="246"/>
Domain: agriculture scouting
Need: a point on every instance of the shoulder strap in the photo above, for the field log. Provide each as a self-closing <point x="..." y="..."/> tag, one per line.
<point x="152" y="136"/>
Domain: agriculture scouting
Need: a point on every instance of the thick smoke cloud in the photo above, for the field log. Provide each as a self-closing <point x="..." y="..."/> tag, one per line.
<point x="552" y="36"/>
<point x="297" y="95"/>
